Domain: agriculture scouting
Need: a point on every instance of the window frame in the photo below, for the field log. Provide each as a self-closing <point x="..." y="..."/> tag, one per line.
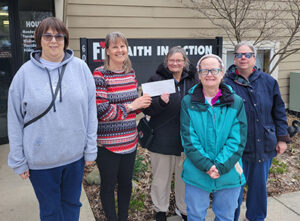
<point x="266" y="45"/>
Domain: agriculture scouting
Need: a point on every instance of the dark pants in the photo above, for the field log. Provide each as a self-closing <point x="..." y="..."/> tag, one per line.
<point x="58" y="191"/>
<point x="115" y="169"/>
<point x="256" y="200"/>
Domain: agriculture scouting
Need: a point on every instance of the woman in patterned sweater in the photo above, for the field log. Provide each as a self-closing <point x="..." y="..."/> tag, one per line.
<point x="117" y="103"/>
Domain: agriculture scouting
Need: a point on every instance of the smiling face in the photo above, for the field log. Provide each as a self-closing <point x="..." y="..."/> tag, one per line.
<point x="210" y="80"/>
<point x="245" y="64"/>
<point x="52" y="50"/>
<point x="176" y="63"/>
<point x="117" y="53"/>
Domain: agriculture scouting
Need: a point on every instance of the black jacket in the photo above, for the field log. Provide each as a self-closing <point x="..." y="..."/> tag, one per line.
<point x="165" y="118"/>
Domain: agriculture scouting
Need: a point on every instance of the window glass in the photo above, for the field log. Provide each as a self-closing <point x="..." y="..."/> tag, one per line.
<point x="5" y="66"/>
<point x="262" y="59"/>
<point x="31" y="13"/>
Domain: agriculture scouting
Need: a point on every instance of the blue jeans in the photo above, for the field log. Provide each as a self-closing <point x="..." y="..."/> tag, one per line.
<point x="256" y="175"/>
<point x="224" y="203"/>
<point x="58" y="191"/>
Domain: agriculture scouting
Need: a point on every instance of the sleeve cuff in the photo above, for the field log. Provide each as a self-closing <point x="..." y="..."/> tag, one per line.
<point x="128" y="108"/>
<point x="90" y="156"/>
<point x="21" y="169"/>
<point x="285" y="138"/>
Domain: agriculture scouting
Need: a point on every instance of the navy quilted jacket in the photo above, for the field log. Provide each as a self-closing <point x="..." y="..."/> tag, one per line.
<point x="266" y="116"/>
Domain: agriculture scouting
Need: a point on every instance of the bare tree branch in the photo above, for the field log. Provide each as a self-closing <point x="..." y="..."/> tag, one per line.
<point x="269" y="20"/>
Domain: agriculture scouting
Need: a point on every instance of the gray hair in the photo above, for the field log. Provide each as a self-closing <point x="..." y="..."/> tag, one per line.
<point x="174" y="50"/>
<point x="246" y="43"/>
<point x="210" y="56"/>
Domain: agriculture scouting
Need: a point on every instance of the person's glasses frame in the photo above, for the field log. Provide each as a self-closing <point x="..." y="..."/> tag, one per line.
<point x="49" y="37"/>
<point x="247" y="55"/>
<point x="178" y="61"/>
<point x="213" y="71"/>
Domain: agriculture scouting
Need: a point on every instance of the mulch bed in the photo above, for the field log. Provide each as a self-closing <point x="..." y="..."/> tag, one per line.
<point x="284" y="178"/>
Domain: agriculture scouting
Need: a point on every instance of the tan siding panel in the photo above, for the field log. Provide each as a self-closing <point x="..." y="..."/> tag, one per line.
<point x="285" y="99"/>
<point x="293" y="58"/>
<point x="77" y="53"/>
<point x="132" y="22"/>
<point x="289" y="66"/>
<point x="284" y="90"/>
<point x="284" y="82"/>
<point x="130" y="11"/>
<point x="162" y="3"/>
<point x="143" y="33"/>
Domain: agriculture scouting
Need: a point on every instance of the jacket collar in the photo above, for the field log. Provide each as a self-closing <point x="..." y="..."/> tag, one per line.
<point x="232" y="74"/>
<point x="36" y="55"/>
<point x="226" y="98"/>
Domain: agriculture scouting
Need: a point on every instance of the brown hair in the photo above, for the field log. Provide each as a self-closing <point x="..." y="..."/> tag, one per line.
<point x="113" y="37"/>
<point x="50" y="23"/>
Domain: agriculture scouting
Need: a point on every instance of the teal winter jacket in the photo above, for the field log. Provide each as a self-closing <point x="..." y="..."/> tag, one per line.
<point x="213" y="135"/>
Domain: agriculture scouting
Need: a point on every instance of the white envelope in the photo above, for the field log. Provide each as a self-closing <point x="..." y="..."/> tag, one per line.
<point x="157" y="88"/>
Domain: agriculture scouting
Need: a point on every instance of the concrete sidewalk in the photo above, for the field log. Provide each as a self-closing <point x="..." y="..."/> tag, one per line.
<point x="18" y="202"/>
<point x="17" y="198"/>
<point x="285" y="207"/>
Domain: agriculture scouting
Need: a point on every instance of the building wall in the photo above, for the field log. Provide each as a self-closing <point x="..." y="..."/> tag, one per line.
<point x="150" y="19"/>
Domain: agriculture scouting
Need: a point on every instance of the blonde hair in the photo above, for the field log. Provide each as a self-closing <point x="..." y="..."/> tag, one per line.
<point x="113" y="37"/>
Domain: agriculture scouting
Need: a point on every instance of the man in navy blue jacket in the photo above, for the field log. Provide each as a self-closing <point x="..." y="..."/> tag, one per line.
<point x="267" y="126"/>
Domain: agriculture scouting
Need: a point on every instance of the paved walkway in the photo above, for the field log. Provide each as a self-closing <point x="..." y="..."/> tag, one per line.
<point x="17" y="199"/>
<point x="18" y="202"/>
<point x="281" y="208"/>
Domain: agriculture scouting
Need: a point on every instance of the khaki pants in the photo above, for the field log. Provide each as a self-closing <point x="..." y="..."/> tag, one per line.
<point x="163" y="167"/>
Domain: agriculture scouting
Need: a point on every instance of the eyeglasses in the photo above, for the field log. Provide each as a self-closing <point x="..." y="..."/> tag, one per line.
<point x="213" y="71"/>
<point x="247" y="55"/>
<point x="172" y="61"/>
<point x="49" y="37"/>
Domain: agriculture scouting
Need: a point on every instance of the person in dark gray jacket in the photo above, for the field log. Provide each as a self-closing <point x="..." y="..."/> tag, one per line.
<point x="166" y="149"/>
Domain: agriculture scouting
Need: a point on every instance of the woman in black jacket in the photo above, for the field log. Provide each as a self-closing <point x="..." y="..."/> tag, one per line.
<point x="166" y="149"/>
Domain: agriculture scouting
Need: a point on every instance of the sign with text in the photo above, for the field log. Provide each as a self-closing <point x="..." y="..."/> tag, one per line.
<point x="29" y="20"/>
<point x="147" y="54"/>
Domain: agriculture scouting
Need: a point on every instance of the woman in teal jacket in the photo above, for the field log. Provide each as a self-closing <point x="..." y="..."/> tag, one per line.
<point x="213" y="133"/>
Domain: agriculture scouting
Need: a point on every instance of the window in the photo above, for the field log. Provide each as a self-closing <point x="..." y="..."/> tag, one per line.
<point x="262" y="59"/>
<point x="31" y="13"/>
<point x="263" y="55"/>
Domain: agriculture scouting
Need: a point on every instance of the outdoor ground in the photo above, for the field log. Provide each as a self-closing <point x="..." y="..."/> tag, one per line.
<point x="284" y="177"/>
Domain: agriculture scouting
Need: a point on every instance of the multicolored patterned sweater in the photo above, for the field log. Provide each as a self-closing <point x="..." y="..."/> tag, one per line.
<point x="117" y="130"/>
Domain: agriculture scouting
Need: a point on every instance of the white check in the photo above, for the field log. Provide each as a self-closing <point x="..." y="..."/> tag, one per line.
<point x="157" y="88"/>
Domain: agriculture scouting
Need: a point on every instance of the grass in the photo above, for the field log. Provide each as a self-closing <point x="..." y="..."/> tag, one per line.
<point x="137" y="202"/>
<point x="292" y="147"/>
<point x="140" y="166"/>
<point x="278" y="167"/>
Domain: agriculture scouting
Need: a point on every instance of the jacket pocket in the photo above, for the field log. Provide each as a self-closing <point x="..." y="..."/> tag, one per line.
<point x="238" y="168"/>
<point x="270" y="139"/>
